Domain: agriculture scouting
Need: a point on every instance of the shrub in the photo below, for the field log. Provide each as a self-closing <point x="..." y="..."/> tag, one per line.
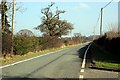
<point x="23" y="44"/>
<point x="6" y="44"/>
<point x="49" y="42"/>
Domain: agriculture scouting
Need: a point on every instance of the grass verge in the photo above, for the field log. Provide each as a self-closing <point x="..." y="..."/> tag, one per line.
<point x="107" y="65"/>
<point x="104" y="59"/>
<point x="16" y="58"/>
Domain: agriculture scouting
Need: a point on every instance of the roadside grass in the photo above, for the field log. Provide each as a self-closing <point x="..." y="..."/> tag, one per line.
<point x="107" y="65"/>
<point x="104" y="59"/>
<point x="16" y="58"/>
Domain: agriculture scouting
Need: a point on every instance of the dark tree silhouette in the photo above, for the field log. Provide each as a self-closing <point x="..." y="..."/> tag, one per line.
<point x="6" y="33"/>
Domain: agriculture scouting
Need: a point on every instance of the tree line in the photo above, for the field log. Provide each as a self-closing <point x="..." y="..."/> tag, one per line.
<point x="52" y="27"/>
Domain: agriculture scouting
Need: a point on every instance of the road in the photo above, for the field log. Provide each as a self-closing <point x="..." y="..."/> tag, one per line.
<point x="62" y="64"/>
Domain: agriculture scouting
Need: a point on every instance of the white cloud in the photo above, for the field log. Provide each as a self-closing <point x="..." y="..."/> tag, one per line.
<point x="83" y="5"/>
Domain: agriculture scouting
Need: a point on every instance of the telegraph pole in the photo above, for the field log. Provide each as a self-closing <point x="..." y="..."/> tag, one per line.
<point x="101" y="22"/>
<point x="13" y="17"/>
<point x="102" y="17"/>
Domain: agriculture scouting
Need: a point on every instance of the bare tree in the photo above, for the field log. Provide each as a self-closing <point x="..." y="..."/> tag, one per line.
<point x="25" y="32"/>
<point x="51" y="23"/>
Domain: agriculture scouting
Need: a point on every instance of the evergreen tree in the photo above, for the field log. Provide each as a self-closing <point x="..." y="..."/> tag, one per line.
<point x="6" y="33"/>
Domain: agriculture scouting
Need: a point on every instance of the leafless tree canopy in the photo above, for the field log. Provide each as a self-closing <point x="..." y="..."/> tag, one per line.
<point x="51" y="23"/>
<point x="25" y="32"/>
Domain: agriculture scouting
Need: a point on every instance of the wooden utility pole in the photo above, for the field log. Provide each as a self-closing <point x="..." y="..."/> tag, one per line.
<point x="101" y="22"/>
<point x="102" y="17"/>
<point x="13" y="17"/>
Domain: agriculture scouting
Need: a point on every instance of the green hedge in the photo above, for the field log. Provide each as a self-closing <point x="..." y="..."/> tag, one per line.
<point x="23" y="44"/>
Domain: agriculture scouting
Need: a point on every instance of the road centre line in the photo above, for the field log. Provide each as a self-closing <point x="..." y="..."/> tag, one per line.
<point x="82" y="70"/>
<point x="81" y="77"/>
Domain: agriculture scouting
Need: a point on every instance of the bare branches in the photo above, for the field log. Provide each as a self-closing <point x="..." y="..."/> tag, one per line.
<point x="58" y="12"/>
<point x="51" y="25"/>
<point x="25" y="32"/>
<point x="48" y="13"/>
<point x="52" y="3"/>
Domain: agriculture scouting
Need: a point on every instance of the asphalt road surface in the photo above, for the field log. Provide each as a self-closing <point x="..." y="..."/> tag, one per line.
<point x="63" y="64"/>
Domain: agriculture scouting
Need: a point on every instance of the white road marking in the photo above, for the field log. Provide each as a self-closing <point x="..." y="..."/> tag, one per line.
<point x="82" y="70"/>
<point x="81" y="76"/>
<point x="84" y="60"/>
<point x="83" y="63"/>
<point x="28" y="59"/>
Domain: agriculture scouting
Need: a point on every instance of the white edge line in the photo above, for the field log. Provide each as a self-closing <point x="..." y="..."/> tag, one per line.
<point x="83" y="63"/>
<point x="28" y="59"/>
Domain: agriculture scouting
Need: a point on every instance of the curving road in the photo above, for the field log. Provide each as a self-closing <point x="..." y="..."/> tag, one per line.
<point x="62" y="64"/>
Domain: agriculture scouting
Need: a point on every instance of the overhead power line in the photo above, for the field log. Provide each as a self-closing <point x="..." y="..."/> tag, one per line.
<point x="98" y="19"/>
<point x="96" y="25"/>
<point x="107" y="4"/>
